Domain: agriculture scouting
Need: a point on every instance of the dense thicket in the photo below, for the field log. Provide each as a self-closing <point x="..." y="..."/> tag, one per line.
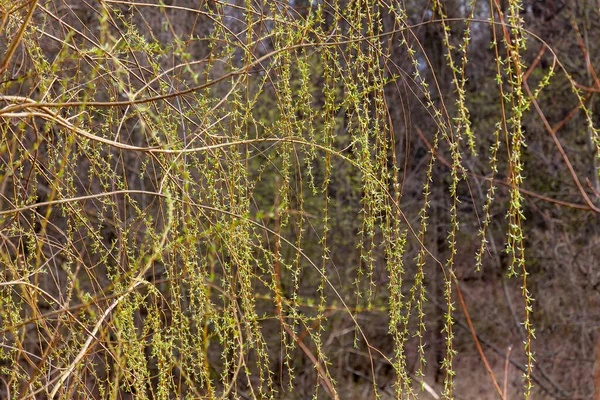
<point x="329" y="199"/>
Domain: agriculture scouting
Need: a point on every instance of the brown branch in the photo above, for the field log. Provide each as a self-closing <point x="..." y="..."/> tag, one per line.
<point x="476" y="340"/>
<point x="17" y="39"/>
<point x="506" y="364"/>
<point x="535" y="62"/>
<point x="562" y="152"/>
<point x="597" y="371"/>
<point x="585" y="53"/>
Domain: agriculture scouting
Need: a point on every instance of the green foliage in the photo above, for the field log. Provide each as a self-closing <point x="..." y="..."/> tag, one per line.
<point x="196" y="201"/>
